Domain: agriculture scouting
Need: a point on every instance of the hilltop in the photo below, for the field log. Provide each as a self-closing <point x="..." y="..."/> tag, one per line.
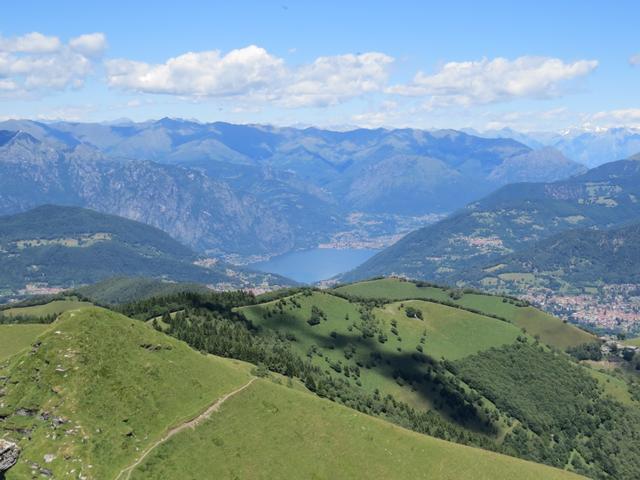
<point x="130" y="424"/>
<point x="60" y="247"/>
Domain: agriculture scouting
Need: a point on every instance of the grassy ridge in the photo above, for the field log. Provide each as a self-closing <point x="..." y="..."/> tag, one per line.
<point x="116" y="385"/>
<point x="551" y="330"/>
<point x="269" y="431"/>
<point x="383" y="349"/>
<point x="98" y="389"/>
<point x="52" y="308"/>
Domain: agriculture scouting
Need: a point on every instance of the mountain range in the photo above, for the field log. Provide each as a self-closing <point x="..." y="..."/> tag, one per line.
<point x="591" y="147"/>
<point x="258" y="190"/>
<point x="561" y="237"/>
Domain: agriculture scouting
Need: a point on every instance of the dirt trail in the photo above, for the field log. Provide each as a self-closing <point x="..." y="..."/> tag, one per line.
<point x="125" y="473"/>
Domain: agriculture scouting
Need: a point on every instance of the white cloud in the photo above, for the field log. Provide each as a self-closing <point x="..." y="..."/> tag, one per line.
<point x="498" y="80"/>
<point x="90" y="44"/>
<point x="331" y="80"/>
<point x="634" y="60"/>
<point x="254" y="73"/>
<point x="34" y="63"/>
<point x="200" y="74"/>
<point x="33" y="42"/>
<point x="629" y="117"/>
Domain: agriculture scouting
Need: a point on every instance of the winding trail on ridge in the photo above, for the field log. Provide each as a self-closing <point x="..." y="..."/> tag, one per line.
<point x="125" y="473"/>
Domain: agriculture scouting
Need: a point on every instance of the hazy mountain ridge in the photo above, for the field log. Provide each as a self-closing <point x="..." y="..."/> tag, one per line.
<point x="197" y="209"/>
<point x="591" y="147"/>
<point x="513" y="217"/>
<point x="248" y="190"/>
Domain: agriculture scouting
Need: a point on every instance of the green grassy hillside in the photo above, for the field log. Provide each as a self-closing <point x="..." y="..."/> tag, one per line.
<point x="104" y="387"/>
<point x="14" y="338"/>
<point x="379" y="356"/>
<point x="55" y="307"/>
<point x="152" y="387"/>
<point x="380" y="348"/>
<point x="294" y="435"/>
<point x="549" y="329"/>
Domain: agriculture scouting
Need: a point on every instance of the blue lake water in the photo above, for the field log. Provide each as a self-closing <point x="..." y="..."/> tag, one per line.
<point x="311" y="266"/>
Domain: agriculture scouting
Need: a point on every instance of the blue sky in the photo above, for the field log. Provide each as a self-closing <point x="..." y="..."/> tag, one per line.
<point x="549" y="65"/>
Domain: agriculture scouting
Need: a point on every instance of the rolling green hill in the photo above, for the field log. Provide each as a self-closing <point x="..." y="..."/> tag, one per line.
<point x="428" y="365"/>
<point x="361" y="344"/>
<point x="53" y="246"/>
<point x="163" y="410"/>
<point x="549" y="329"/>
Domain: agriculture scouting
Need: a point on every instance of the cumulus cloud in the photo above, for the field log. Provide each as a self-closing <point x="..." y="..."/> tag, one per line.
<point x="33" y="42"/>
<point x="34" y="63"/>
<point x="90" y="44"/>
<point x="634" y="60"/>
<point x="498" y="80"/>
<point x="331" y="80"/>
<point x="254" y="73"/>
<point x="199" y="74"/>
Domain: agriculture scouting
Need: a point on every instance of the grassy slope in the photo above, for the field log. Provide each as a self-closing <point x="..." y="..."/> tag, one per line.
<point x="451" y="333"/>
<point x="93" y="369"/>
<point x="14" y="338"/>
<point x="613" y="386"/>
<point x="267" y="431"/>
<point x="633" y="342"/>
<point x="550" y="329"/>
<point x="52" y="308"/>
<point x="294" y="435"/>
<point x="442" y="325"/>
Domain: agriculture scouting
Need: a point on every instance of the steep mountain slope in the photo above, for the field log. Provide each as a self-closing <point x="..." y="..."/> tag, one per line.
<point x="202" y="212"/>
<point x="67" y="246"/>
<point x="248" y="189"/>
<point x="134" y="422"/>
<point x="510" y="219"/>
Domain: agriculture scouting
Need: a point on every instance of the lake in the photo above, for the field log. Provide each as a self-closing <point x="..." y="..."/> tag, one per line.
<point x="310" y="266"/>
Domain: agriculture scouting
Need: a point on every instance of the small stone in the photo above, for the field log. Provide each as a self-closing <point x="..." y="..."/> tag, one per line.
<point x="9" y="453"/>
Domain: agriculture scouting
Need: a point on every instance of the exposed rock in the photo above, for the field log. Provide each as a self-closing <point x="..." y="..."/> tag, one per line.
<point x="9" y="453"/>
<point x="25" y="412"/>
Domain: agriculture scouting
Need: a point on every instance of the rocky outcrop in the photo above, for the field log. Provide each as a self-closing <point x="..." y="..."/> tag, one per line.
<point x="9" y="453"/>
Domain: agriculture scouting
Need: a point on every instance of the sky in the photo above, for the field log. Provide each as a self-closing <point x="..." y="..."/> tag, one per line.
<point x="484" y="65"/>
